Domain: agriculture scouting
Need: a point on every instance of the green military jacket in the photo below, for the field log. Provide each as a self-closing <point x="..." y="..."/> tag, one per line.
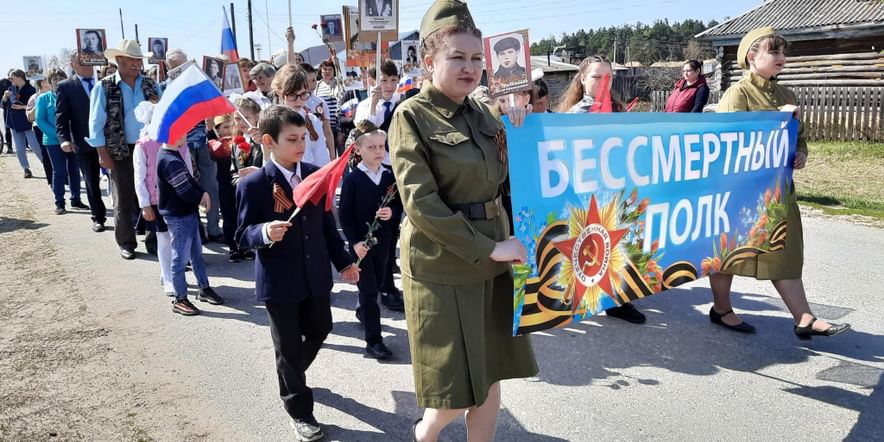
<point x="444" y="153"/>
<point x="755" y="93"/>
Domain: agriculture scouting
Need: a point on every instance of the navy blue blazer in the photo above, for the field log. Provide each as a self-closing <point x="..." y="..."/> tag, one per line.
<point x="297" y="266"/>
<point x="72" y="113"/>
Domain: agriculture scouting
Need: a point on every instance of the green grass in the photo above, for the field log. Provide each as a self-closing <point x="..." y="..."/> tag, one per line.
<point x="844" y="178"/>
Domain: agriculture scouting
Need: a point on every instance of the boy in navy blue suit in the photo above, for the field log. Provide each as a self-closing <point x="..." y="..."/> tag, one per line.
<point x="292" y="277"/>
<point x="361" y="195"/>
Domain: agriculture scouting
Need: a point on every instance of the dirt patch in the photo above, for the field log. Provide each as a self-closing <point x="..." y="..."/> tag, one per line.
<point x="61" y="377"/>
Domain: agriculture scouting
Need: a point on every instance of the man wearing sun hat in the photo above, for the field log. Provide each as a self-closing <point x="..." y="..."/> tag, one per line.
<point x="113" y="131"/>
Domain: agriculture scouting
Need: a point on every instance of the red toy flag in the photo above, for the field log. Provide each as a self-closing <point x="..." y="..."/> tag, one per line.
<point x="603" y="98"/>
<point x="323" y="182"/>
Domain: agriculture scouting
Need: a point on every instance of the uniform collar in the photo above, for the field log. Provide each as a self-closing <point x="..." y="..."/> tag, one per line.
<point x="760" y="81"/>
<point x="444" y="105"/>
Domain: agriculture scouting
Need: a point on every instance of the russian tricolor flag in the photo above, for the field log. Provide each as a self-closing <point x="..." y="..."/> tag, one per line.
<point x="228" y="40"/>
<point x="348" y="108"/>
<point x="405" y="84"/>
<point x="191" y="98"/>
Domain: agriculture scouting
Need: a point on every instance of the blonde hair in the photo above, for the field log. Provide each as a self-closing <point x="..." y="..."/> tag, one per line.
<point x="575" y="91"/>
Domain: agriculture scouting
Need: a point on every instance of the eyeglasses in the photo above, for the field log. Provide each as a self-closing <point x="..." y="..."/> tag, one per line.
<point x="302" y="96"/>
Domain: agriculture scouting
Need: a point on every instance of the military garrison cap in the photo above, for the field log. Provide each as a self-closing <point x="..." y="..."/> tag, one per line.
<point x="506" y="43"/>
<point x="445" y="13"/>
<point x="746" y="43"/>
<point x="363" y="127"/>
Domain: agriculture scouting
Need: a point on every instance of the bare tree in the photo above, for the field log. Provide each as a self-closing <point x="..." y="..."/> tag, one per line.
<point x="695" y="51"/>
<point x="659" y="78"/>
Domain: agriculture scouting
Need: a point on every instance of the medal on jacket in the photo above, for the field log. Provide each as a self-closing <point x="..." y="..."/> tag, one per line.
<point x="281" y="202"/>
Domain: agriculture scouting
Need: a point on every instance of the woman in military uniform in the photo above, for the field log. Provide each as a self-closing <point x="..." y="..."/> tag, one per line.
<point x="762" y="53"/>
<point x="449" y="161"/>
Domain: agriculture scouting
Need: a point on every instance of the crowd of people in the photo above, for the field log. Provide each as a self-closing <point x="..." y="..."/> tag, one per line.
<point x="420" y="171"/>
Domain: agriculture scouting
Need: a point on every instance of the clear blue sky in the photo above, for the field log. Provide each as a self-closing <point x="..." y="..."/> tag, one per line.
<point x="44" y="27"/>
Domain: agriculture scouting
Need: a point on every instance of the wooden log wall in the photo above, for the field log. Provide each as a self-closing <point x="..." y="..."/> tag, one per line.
<point x="858" y="69"/>
<point x="841" y="113"/>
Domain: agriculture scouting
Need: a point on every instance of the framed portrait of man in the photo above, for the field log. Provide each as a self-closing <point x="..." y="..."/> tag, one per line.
<point x="232" y="80"/>
<point x="361" y="47"/>
<point x="214" y="68"/>
<point x="332" y="28"/>
<point x="172" y="74"/>
<point x="33" y="67"/>
<point x="91" y="44"/>
<point x="158" y="47"/>
<point x="379" y="16"/>
<point x="508" y="63"/>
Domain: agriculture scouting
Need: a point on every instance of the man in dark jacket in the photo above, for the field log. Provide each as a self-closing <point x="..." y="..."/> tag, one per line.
<point x="72" y="126"/>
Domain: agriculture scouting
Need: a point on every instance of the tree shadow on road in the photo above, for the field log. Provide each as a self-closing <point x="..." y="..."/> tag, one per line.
<point x="12" y="224"/>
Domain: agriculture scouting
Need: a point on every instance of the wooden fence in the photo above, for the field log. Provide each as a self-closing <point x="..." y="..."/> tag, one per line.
<point x="828" y="113"/>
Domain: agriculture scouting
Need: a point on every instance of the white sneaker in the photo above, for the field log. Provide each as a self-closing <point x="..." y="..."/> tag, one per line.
<point x="305" y="431"/>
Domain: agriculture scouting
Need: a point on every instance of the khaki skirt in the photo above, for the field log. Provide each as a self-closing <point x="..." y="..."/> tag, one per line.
<point x="461" y="340"/>
<point x="783" y="264"/>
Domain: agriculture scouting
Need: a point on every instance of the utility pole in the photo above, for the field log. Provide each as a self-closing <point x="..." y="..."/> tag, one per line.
<point x="269" y="44"/>
<point x="251" y="34"/>
<point x="122" y="29"/>
<point x="627" y="52"/>
<point x="614" y="59"/>
<point x="233" y="22"/>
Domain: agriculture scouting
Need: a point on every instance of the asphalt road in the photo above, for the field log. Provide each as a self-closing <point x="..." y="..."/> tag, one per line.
<point x="678" y="377"/>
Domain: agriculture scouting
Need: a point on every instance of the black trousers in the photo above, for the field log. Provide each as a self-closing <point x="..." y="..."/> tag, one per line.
<point x="298" y="330"/>
<point x="91" y="172"/>
<point x="387" y="284"/>
<point x="227" y="203"/>
<point x="374" y="271"/>
<point x="125" y="202"/>
<point x="47" y="165"/>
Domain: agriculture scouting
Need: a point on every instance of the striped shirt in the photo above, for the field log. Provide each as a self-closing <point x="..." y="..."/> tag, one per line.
<point x="330" y="93"/>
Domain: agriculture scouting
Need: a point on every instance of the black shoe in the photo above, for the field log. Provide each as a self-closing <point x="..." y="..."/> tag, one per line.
<point x="742" y="327"/>
<point x="627" y="312"/>
<point x="184" y="307"/>
<point x="235" y="256"/>
<point x="60" y="211"/>
<point x="209" y="295"/>
<point x="151" y="250"/>
<point x="378" y="351"/>
<point x="805" y="332"/>
<point x="248" y="254"/>
<point x="127" y="254"/>
<point x="79" y="205"/>
<point x="97" y="227"/>
<point x="392" y="302"/>
<point x="28" y="173"/>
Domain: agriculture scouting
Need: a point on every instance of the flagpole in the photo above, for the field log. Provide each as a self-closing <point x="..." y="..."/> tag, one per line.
<point x="290" y="13"/>
<point x="291" y="218"/>
<point x="377" y="63"/>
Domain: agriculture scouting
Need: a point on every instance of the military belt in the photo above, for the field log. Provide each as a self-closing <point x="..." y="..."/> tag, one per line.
<point x="486" y="210"/>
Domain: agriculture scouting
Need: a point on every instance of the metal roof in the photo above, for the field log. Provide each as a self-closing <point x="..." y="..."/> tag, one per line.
<point x="555" y="64"/>
<point x="792" y="16"/>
